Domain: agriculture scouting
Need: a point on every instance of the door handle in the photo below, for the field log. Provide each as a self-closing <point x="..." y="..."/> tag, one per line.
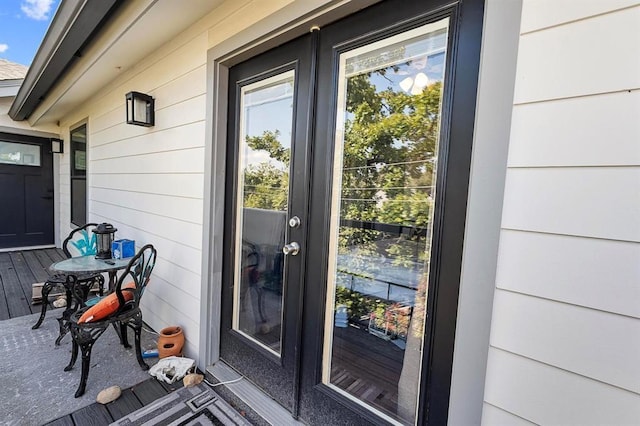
<point x="292" y="248"/>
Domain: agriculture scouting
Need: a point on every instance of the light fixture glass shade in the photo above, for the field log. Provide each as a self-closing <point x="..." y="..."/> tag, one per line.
<point x="140" y="109"/>
<point x="57" y="146"/>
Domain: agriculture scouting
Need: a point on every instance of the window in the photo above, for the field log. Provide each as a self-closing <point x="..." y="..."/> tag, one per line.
<point x="19" y="154"/>
<point x="79" y="175"/>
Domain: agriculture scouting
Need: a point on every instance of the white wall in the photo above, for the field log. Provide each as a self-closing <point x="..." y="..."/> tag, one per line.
<point x="565" y="335"/>
<point x="149" y="182"/>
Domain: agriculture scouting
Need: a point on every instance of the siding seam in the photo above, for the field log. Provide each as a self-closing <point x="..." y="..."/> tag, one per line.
<point x="584" y="95"/>
<point x="146" y="212"/>
<point x="573" y="21"/>
<point x="145" y="193"/>
<point x="183" y="124"/>
<point x="503" y="228"/>
<point x="573" y="166"/>
<point x="499" y="287"/>
<point x="509" y="412"/>
<point x="563" y="369"/>
<point x="143" y="154"/>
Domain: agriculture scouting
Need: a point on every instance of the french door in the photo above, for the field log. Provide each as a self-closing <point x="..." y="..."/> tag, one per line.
<point x="346" y="193"/>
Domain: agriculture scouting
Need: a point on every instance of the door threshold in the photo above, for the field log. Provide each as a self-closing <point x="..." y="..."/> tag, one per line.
<point x="254" y="397"/>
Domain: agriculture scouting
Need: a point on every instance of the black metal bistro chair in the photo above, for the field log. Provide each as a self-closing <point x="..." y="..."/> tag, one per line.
<point x="121" y="309"/>
<point x="80" y="242"/>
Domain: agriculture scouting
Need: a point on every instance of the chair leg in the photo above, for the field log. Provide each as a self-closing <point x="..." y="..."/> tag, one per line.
<point x="137" y="331"/>
<point x="123" y="335"/>
<point x="46" y="288"/>
<point x="74" y="354"/>
<point x="86" y="364"/>
<point x="62" y="325"/>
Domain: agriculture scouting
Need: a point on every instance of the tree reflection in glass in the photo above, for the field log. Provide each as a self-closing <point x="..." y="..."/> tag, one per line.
<point x="389" y="103"/>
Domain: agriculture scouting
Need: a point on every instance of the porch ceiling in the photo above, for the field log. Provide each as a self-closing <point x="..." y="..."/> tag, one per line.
<point x="136" y="30"/>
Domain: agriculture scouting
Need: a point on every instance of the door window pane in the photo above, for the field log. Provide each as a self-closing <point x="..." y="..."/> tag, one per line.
<point x="266" y="121"/>
<point x="19" y="154"/>
<point x="79" y="175"/>
<point x="389" y="103"/>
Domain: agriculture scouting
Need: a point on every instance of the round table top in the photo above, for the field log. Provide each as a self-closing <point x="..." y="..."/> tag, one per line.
<point x="89" y="264"/>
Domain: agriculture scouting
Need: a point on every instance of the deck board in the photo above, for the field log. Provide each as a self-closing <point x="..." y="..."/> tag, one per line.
<point x="92" y="415"/>
<point x="45" y="260"/>
<point x="148" y="391"/>
<point x="25" y="275"/>
<point x="17" y="301"/>
<point x="55" y="254"/>
<point x="18" y="271"/>
<point x="126" y="404"/>
<point x="39" y="273"/>
<point x="62" y="421"/>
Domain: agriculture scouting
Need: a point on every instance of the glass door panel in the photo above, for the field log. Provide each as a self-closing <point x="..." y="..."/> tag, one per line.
<point x="265" y="139"/>
<point x="386" y="148"/>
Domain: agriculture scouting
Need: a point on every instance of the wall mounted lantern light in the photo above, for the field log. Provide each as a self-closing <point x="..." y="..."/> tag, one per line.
<point x="57" y="146"/>
<point x="140" y="109"/>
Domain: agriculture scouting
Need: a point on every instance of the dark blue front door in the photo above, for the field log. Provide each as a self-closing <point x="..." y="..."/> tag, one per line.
<point x="26" y="191"/>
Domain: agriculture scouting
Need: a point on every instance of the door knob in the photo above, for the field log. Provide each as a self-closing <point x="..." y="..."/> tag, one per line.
<point x="292" y="248"/>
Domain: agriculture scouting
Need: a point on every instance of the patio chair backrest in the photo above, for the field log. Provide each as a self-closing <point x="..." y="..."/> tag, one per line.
<point x="138" y="272"/>
<point x="81" y="241"/>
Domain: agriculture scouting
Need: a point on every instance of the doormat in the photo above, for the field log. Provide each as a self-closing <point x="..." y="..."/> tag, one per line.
<point x="197" y="405"/>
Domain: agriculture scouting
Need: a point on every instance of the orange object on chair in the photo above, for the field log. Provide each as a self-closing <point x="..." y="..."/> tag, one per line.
<point x="106" y="306"/>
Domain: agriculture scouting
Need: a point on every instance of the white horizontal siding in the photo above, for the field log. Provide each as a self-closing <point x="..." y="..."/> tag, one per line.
<point x="580" y="59"/>
<point x="595" y="273"/>
<point x="179" y="161"/>
<point x="188" y="135"/>
<point x="585" y="341"/>
<point x="190" y="85"/>
<point x="565" y="334"/>
<point x="148" y="182"/>
<point x="189" y="185"/>
<point x="558" y="133"/>
<point x="547" y="395"/>
<point x="595" y="202"/>
<point x="181" y="208"/>
<point x="537" y="14"/>
<point x="181" y="232"/>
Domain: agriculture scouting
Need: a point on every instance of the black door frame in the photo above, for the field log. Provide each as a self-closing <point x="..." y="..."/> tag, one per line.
<point x="444" y="283"/>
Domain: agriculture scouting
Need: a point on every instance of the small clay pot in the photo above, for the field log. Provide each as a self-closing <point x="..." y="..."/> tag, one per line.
<point x="170" y="342"/>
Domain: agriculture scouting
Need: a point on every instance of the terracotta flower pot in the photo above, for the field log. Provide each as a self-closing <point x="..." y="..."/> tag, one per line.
<point x="170" y="342"/>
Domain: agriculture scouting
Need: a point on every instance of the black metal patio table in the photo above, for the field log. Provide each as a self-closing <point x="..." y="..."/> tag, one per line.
<point x="83" y="265"/>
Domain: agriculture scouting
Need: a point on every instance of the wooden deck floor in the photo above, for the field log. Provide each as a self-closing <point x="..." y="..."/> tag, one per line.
<point x="19" y="270"/>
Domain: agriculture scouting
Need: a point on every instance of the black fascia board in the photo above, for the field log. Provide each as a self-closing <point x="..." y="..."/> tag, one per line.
<point x="75" y="25"/>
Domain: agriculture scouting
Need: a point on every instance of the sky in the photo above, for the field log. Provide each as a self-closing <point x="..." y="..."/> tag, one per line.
<point x="23" y="24"/>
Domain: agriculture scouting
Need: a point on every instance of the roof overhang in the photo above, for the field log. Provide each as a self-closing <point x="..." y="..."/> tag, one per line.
<point x="127" y="33"/>
<point x="71" y="29"/>
<point x="9" y="88"/>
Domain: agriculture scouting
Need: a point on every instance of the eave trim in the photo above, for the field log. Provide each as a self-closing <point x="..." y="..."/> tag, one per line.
<point x="74" y="26"/>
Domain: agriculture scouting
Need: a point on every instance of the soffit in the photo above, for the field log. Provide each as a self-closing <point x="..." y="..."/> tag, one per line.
<point x="137" y="30"/>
